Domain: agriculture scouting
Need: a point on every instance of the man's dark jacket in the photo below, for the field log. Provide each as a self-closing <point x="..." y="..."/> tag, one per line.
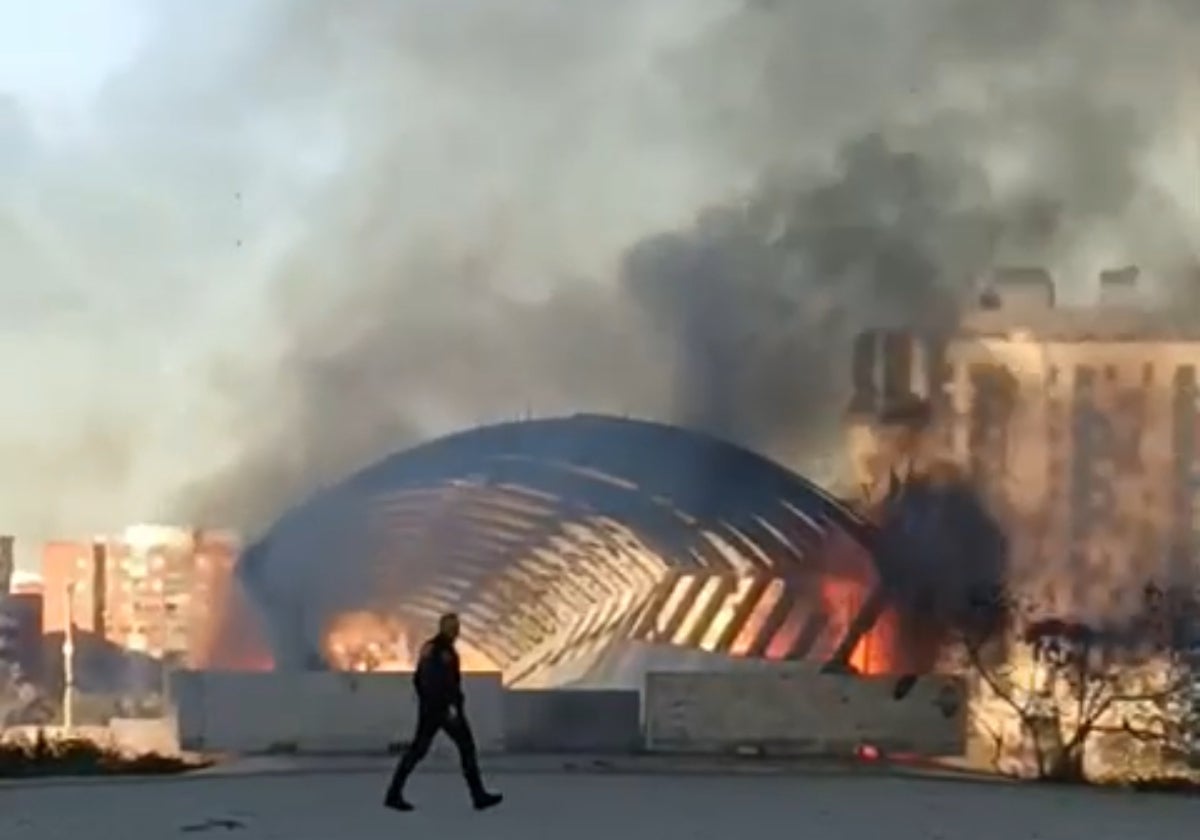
<point x="437" y="678"/>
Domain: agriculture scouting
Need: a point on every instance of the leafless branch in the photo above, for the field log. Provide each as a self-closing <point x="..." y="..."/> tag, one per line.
<point x="993" y="683"/>
<point x="1137" y="732"/>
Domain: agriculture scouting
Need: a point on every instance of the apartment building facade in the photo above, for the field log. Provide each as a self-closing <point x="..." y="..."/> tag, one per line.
<point x="154" y="590"/>
<point x="1081" y="428"/>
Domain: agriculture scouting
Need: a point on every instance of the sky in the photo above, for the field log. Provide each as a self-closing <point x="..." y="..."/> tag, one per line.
<point x="154" y="183"/>
<point x="54" y="58"/>
<point x="222" y="222"/>
<point x="93" y="321"/>
<point x="55" y="55"/>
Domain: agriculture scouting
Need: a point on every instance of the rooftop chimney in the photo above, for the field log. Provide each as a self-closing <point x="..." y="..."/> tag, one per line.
<point x="1019" y="289"/>
<point x="6" y="564"/>
<point x="1119" y="286"/>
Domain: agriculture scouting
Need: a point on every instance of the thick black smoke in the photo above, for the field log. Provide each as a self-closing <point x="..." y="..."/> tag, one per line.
<point x="761" y="300"/>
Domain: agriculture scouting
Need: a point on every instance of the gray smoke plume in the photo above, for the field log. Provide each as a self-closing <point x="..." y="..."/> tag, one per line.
<point x="875" y="162"/>
<point x="337" y="231"/>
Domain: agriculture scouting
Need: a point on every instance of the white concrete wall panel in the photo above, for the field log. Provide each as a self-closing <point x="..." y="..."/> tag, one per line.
<point x="315" y="712"/>
<point x="790" y="710"/>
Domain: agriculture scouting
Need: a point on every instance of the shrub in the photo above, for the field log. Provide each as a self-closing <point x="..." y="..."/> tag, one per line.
<point x="81" y="757"/>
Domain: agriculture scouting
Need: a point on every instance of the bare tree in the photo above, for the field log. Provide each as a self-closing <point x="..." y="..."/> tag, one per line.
<point x="1067" y="683"/>
<point x="21" y="702"/>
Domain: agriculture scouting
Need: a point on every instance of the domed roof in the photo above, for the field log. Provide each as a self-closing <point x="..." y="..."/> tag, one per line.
<point x="523" y="527"/>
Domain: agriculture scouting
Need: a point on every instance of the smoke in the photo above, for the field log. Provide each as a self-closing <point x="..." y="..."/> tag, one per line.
<point x="763" y="298"/>
<point x="288" y="239"/>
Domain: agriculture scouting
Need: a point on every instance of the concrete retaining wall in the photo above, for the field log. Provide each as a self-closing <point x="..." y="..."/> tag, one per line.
<point x="782" y="710"/>
<point x="794" y="710"/>
<point x="315" y="712"/>
<point x="576" y="721"/>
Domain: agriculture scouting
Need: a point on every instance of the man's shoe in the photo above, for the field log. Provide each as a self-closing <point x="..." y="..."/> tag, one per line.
<point x="487" y="800"/>
<point x="397" y="803"/>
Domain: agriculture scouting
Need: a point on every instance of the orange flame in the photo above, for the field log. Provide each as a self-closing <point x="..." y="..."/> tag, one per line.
<point x="842" y="598"/>
<point x="367" y="641"/>
<point x="364" y="641"/>
<point x="235" y="641"/>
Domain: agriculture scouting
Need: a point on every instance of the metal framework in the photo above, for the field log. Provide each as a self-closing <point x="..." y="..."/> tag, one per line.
<point x="557" y="539"/>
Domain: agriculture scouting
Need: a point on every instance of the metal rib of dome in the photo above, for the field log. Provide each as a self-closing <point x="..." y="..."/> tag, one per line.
<point x="556" y="539"/>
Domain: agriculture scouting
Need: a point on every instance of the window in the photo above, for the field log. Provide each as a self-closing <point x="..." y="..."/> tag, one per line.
<point x="1085" y="377"/>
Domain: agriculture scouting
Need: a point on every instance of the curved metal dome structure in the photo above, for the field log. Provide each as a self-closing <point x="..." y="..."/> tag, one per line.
<point x="559" y="540"/>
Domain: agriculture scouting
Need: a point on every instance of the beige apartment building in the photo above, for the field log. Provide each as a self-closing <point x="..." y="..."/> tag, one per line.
<point x="1080" y="425"/>
<point x="155" y="590"/>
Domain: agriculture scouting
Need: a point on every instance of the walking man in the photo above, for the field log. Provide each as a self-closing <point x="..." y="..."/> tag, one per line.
<point x="438" y="682"/>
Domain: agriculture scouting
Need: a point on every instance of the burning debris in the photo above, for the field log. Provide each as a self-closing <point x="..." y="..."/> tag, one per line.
<point x="368" y="641"/>
<point x="363" y="641"/>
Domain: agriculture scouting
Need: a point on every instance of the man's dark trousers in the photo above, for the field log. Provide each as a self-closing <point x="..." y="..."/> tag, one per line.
<point x="430" y="720"/>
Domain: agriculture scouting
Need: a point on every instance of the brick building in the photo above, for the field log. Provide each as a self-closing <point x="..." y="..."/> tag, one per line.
<point x="152" y="589"/>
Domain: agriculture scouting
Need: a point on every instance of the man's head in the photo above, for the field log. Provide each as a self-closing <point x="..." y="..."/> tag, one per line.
<point x="448" y="626"/>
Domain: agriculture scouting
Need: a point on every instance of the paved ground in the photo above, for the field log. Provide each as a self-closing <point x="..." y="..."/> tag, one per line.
<point x="344" y="803"/>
